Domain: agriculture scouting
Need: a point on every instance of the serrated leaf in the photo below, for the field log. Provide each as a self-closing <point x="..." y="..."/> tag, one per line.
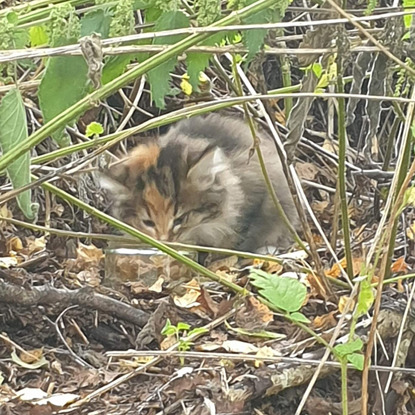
<point x="65" y="80"/>
<point x="357" y="360"/>
<point x="349" y="348"/>
<point x="97" y="21"/>
<point x="159" y="77"/>
<point x="63" y="84"/>
<point x="94" y="128"/>
<point x="13" y="130"/>
<point x="285" y="293"/>
<point x="299" y="317"/>
<point x="38" y="36"/>
<point x="198" y="62"/>
<point x="36" y="365"/>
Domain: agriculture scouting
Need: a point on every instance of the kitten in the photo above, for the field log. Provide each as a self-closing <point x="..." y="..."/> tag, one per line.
<point x="196" y="185"/>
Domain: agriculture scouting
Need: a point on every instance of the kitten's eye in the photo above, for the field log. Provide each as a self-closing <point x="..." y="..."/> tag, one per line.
<point x="149" y="223"/>
<point x="178" y="221"/>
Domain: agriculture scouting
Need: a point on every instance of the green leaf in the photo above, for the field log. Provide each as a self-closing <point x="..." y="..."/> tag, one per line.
<point x="115" y="66"/>
<point x="357" y="360"/>
<point x="97" y="21"/>
<point x="13" y="130"/>
<point x="12" y="17"/>
<point x="285" y="293"/>
<point x="183" y="326"/>
<point x="366" y="298"/>
<point x="38" y="36"/>
<point x="94" y="128"/>
<point x="299" y="317"/>
<point x="63" y="84"/>
<point x="408" y="5"/>
<point x="159" y="77"/>
<point x="197" y="62"/>
<point x="65" y="81"/>
<point x="348" y="348"/>
<point x="168" y="329"/>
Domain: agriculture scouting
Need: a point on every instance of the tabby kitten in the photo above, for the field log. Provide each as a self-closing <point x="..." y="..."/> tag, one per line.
<point x="196" y="185"/>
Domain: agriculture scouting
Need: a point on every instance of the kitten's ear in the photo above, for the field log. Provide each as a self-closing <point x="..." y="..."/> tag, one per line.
<point x="122" y="177"/>
<point x="205" y="171"/>
<point x="110" y="182"/>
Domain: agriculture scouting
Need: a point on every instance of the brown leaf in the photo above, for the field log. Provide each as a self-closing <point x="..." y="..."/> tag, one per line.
<point x="335" y="270"/>
<point x="343" y="301"/>
<point x="31" y="356"/>
<point x="306" y="171"/>
<point x="400" y="266"/>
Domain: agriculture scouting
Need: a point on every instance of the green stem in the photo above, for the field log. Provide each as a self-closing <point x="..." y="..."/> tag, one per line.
<point x="342" y="170"/>
<point x="345" y="406"/>
<point x="93" y="99"/>
<point x="286" y="80"/>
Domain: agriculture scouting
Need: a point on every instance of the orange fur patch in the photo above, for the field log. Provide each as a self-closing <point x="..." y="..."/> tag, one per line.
<point x="142" y="157"/>
<point x="160" y="209"/>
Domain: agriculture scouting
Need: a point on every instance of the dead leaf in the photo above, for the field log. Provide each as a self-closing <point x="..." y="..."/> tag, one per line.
<point x="306" y="171"/>
<point x="410" y="231"/>
<point x="14" y="244"/>
<point x="8" y="262"/>
<point x="400" y="266"/>
<point x="335" y="270"/>
<point x="90" y="277"/>
<point x="190" y="298"/>
<point x="31" y="356"/>
<point x="89" y="254"/>
<point x="168" y="342"/>
<point x="343" y="301"/>
<point x="157" y="287"/>
<point x="34" y="245"/>
<point x="236" y="346"/>
<point x="265" y="351"/>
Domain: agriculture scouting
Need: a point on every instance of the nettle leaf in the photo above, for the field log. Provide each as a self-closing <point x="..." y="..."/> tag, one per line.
<point x="65" y="81"/>
<point x="13" y="131"/>
<point x="254" y="39"/>
<point x="287" y="294"/>
<point x="97" y="21"/>
<point x="159" y="77"/>
<point x="197" y="62"/>
<point x="63" y="84"/>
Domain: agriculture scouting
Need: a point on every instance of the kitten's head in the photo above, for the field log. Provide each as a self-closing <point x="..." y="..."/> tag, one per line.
<point x="176" y="191"/>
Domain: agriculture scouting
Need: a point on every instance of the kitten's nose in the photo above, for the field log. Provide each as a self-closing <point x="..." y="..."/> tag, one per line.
<point x="163" y="237"/>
